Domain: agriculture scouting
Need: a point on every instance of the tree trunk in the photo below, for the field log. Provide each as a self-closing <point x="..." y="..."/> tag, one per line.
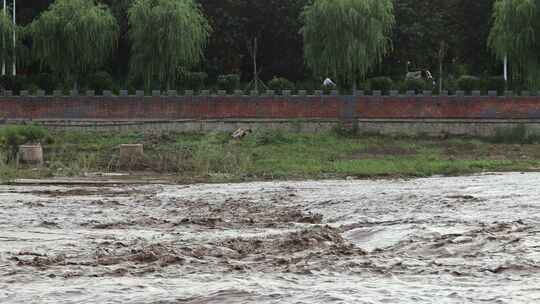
<point x="75" y="83"/>
<point x="440" y="75"/>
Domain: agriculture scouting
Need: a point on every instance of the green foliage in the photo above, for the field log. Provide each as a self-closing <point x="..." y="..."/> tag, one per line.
<point x="280" y="84"/>
<point x="270" y="137"/>
<point x="165" y="35"/>
<point x="496" y="83"/>
<point x="7" y="172"/>
<point x="469" y="83"/>
<point x="32" y="88"/>
<point x="14" y="83"/>
<point x="450" y="84"/>
<point x="193" y="80"/>
<point x="515" y="135"/>
<point x="100" y="81"/>
<point x="416" y="85"/>
<point x="229" y="82"/>
<point x="343" y="131"/>
<point x="73" y="37"/>
<point x="46" y="82"/>
<point x="461" y="70"/>
<point x="383" y="84"/>
<point x="421" y="25"/>
<point x="345" y="39"/>
<point x="280" y="155"/>
<point x="6" y="37"/>
<point x="516" y="34"/>
<point x="13" y="136"/>
<point x="275" y="23"/>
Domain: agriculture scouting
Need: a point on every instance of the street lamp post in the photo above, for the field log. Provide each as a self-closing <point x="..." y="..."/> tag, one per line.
<point x="14" y="39"/>
<point x="505" y="73"/>
<point x="3" y="41"/>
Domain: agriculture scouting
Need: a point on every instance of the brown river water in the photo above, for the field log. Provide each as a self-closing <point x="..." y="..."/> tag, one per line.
<point x="473" y="239"/>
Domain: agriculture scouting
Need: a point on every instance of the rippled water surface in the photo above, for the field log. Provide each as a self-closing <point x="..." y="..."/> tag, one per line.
<point x="472" y="239"/>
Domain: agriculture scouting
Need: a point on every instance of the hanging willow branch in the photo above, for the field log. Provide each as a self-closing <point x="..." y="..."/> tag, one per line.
<point x="516" y="33"/>
<point x="74" y="36"/>
<point x="6" y="38"/>
<point x="165" y="35"/>
<point x="346" y="38"/>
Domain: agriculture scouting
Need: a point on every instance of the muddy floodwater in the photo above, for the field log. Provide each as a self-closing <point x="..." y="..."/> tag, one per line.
<point x="473" y="239"/>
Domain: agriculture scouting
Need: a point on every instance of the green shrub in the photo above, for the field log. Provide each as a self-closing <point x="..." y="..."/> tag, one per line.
<point x="515" y="135"/>
<point x="194" y="80"/>
<point x="345" y="131"/>
<point x="383" y="84"/>
<point x="270" y="137"/>
<point x="416" y="85"/>
<point x="496" y="83"/>
<point x="32" y="88"/>
<point x="280" y="84"/>
<point x="64" y="87"/>
<point x="135" y="82"/>
<point x="450" y="84"/>
<point x="46" y="82"/>
<point x="461" y="70"/>
<point x="100" y="81"/>
<point x="229" y="82"/>
<point x="469" y="83"/>
<point x="310" y="85"/>
<point x="363" y="86"/>
<point x="14" y="83"/>
<point x="13" y="136"/>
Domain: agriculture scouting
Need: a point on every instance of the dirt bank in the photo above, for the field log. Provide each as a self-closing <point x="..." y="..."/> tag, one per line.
<point x="460" y="240"/>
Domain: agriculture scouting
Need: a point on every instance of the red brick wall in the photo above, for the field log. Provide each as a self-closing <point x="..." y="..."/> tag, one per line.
<point x="217" y="107"/>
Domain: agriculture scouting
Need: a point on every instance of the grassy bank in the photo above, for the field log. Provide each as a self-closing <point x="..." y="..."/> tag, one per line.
<point x="275" y="155"/>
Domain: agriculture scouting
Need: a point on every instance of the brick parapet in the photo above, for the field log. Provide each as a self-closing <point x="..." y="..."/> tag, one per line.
<point x="268" y="105"/>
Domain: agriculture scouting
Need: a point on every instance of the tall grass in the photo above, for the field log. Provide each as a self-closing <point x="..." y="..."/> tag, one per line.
<point x="516" y="135"/>
<point x="279" y="155"/>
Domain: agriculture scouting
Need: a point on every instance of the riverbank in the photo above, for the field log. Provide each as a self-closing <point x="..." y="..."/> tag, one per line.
<point x="274" y="155"/>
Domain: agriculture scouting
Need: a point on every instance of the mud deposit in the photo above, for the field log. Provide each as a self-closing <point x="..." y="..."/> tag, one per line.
<point x="439" y="240"/>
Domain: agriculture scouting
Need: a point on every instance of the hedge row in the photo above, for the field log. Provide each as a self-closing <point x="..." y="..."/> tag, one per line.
<point x="198" y="81"/>
<point x="464" y="83"/>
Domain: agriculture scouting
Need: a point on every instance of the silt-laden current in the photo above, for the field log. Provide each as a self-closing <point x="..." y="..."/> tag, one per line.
<point x="473" y="239"/>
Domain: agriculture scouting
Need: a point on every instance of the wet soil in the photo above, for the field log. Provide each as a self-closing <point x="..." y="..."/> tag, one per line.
<point x="472" y="239"/>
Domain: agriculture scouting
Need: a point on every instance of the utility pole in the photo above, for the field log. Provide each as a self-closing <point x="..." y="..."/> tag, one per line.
<point x="14" y="40"/>
<point x="255" y="72"/>
<point x="505" y="73"/>
<point x="3" y="42"/>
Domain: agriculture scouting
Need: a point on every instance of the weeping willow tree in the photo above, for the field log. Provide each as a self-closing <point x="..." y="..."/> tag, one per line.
<point x="6" y="37"/>
<point x="165" y="36"/>
<point x="346" y="38"/>
<point x="516" y="34"/>
<point x="74" y="37"/>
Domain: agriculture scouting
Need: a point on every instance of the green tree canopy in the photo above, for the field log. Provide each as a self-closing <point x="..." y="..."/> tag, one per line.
<point x="275" y="24"/>
<point x="346" y="38"/>
<point x="6" y="37"/>
<point x="74" y="36"/>
<point x="165" y="35"/>
<point x="420" y="26"/>
<point x="516" y="34"/>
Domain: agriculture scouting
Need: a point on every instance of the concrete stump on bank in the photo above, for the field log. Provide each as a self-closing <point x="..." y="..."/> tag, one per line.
<point x="131" y="155"/>
<point x="31" y="154"/>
